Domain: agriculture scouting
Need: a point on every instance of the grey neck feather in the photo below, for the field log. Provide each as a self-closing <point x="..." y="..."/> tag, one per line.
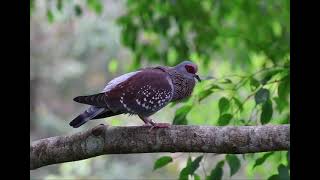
<point x="183" y="85"/>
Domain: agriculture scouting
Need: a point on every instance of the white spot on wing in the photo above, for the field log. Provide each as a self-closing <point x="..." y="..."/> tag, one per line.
<point x="138" y="102"/>
<point x="118" y="80"/>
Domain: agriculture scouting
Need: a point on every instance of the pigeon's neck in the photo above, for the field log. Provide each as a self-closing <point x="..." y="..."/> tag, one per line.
<point x="183" y="86"/>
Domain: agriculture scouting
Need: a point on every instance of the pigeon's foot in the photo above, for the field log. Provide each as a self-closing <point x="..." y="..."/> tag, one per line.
<point x="159" y="125"/>
<point x="149" y="122"/>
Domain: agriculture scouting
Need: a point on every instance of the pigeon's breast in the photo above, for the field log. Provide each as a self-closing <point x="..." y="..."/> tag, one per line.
<point x="183" y="86"/>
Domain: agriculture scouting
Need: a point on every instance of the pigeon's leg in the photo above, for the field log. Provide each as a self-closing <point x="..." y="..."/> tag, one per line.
<point x="146" y="121"/>
<point x="154" y="124"/>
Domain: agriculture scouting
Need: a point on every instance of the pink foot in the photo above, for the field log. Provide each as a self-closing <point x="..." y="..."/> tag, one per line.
<point x="160" y="125"/>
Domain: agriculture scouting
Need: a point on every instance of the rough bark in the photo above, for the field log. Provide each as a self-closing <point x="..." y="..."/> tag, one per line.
<point x="123" y="140"/>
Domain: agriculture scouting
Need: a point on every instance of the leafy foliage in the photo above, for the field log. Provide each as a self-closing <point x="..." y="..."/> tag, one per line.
<point x="266" y="113"/>
<point x="224" y="105"/>
<point x="181" y="113"/>
<point x="190" y="168"/>
<point x="50" y="16"/>
<point x="284" y="88"/>
<point x="283" y="173"/>
<point x="224" y="119"/>
<point x="95" y="5"/>
<point x="234" y="163"/>
<point x="254" y="83"/>
<point x="217" y="172"/>
<point x="262" y="96"/>
<point x="78" y="10"/>
<point x="262" y="159"/>
<point x="164" y="160"/>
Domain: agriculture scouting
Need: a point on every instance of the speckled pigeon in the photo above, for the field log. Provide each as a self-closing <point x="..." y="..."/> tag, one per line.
<point x="143" y="93"/>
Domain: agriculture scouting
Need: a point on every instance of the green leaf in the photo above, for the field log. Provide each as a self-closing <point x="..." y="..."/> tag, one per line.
<point x="254" y="83"/>
<point x="265" y="80"/>
<point x="59" y="5"/>
<point x="274" y="177"/>
<point x="288" y="158"/>
<point x="234" y="163"/>
<point x="95" y="5"/>
<point x="238" y="103"/>
<point x="262" y="159"/>
<point x="280" y="104"/>
<point x="99" y="8"/>
<point x="180" y="116"/>
<point x="204" y="94"/>
<point x="197" y="177"/>
<point x="224" y="105"/>
<point x="77" y="10"/>
<point x="262" y="96"/>
<point x="191" y="167"/>
<point x="129" y="39"/>
<point x="50" y="16"/>
<point x="285" y="119"/>
<point x="185" y="171"/>
<point x="269" y="74"/>
<point x="214" y="86"/>
<point x="283" y="172"/>
<point x="184" y="174"/>
<point x="164" y="160"/>
<point x="224" y="119"/>
<point x="164" y="24"/>
<point x="226" y="81"/>
<point x="32" y="6"/>
<point x="217" y="172"/>
<point x="284" y="88"/>
<point x="195" y="164"/>
<point x="267" y="112"/>
<point x="113" y="66"/>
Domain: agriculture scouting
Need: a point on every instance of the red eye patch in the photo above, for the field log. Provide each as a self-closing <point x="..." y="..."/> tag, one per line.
<point x="190" y="69"/>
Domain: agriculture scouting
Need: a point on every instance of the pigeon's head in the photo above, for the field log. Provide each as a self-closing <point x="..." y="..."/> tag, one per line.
<point x="188" y="69"/>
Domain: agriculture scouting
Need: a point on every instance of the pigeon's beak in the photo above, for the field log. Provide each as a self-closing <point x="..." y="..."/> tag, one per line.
<point x="197" y="77"/>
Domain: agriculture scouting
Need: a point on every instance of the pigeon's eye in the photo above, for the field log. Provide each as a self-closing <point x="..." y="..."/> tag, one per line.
<point x="190" y="69"/>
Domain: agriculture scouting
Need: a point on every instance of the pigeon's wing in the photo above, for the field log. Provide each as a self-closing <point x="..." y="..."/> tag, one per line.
<point x="143" y="93"/>
<point x="99" y="99"/>
<point x="106" y="113"/>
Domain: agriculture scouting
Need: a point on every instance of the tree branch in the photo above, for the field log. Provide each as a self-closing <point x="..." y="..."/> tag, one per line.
<point x="124" y="140"/>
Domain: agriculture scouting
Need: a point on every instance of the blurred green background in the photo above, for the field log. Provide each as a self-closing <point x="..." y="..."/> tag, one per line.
<point x="242" y="48"/>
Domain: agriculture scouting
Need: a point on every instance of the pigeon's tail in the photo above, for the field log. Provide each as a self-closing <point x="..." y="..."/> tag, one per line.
<point x="98" y="100"/>
<point x="87" y="115"/>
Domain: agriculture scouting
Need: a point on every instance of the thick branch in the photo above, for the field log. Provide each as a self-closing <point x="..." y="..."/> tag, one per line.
<point x="123" y="140"/>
